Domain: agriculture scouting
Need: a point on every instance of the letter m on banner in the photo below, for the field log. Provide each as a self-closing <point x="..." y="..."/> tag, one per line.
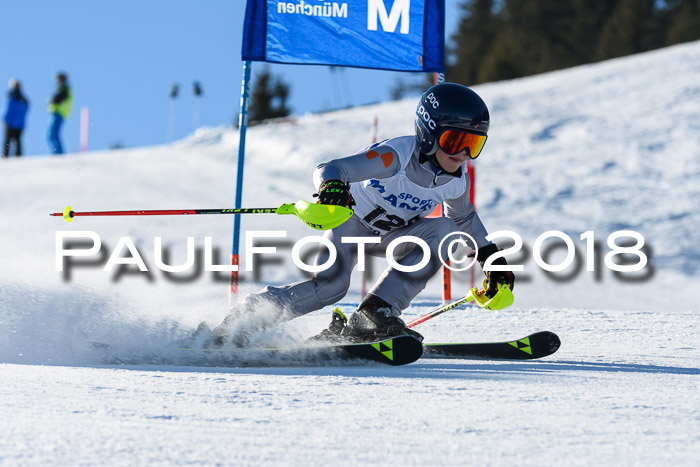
<point x="399" y="35"/>
<point x="399" y="11"/>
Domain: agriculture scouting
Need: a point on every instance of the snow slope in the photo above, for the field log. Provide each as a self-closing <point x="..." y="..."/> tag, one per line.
<point x="604" y="147"/>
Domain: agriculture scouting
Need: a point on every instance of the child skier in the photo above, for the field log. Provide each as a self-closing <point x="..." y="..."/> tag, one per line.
<point x="392" y="186"/>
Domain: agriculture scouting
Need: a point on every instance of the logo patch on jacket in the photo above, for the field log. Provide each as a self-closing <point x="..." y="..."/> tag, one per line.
<point x="403" y="200"/>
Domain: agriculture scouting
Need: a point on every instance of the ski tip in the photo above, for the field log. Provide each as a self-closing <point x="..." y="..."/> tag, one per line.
<point x="544" y="343"/>
<point x="554" y="342"/>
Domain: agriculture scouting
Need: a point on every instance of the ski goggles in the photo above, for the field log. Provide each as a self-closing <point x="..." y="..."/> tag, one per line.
<point x="455" y="141"/>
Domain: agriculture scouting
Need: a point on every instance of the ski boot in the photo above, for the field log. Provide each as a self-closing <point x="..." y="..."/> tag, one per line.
<point x="376" y="319"/>
<point x="243" y="325"/>
<point x="203" y="331"/>
<point x="206" y="337"/>
<point x="334" y="330"/>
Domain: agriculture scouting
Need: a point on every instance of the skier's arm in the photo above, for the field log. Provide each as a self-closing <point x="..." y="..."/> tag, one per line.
<point x="60" y="96"/>
<point x="461" y="211"/>
<point x="378" y="162"/>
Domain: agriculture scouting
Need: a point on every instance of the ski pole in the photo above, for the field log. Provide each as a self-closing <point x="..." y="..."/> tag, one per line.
<point x="439" y="311"/>
<point x="317" y="216"/>
<point x="502" y="299"/>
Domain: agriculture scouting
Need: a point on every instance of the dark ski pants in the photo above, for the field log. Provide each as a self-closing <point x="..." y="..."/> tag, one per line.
<point x="12" y="134"/>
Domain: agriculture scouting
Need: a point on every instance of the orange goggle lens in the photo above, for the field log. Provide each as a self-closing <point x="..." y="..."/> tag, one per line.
<point x="455" y="141"/>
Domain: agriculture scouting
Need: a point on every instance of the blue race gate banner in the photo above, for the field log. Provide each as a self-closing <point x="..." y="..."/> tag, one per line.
<point x="400" y="35"/>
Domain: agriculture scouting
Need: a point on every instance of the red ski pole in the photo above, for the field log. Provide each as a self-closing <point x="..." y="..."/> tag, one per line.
<point x="317" y="216"/>
<point x="440" y="311"/>
<point x="502" y="299"/>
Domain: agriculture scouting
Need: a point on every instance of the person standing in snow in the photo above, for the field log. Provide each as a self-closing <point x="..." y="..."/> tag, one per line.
<point x="59" y="109"/>
<point x="392" y="186"/>
<point x="14" y="119"/>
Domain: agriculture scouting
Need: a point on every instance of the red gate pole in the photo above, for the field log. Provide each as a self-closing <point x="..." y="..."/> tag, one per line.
<point x="472" y="199"/>
<point x="446" y="273"/>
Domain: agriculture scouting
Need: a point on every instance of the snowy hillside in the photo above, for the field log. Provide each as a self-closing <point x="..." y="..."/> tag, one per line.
<point x="603" y="148"/>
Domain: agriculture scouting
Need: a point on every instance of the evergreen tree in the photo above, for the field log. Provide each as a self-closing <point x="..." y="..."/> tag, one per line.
<point x="589" y="18"/>
<point x="684" y="22"/>
<point x="505" y="39"/>
<point x="633" y="27"/>
<point x="473" y="41"/>
<point x="280" y="96"/>
<point x="268" y="98"/>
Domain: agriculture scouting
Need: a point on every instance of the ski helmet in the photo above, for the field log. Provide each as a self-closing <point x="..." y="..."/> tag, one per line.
<point x="450" y="106"/>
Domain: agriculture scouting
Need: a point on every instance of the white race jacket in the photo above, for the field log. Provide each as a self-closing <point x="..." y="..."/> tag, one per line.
<point x="394" y="185"/>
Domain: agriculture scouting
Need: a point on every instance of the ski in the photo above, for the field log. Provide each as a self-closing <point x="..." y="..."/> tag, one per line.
<point x="399" y="350"/>
<point x="537" y="345"/>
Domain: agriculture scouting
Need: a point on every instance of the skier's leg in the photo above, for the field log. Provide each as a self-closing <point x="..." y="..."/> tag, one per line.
<point x="379" y="312"/>
<point x="18" y="143"/>
<point x="55" y="121"/>
<point x="400" y="288"/>
<point x="326" y="287"/>
<point x="6" y="143"/>
<point x="274" y="304"/>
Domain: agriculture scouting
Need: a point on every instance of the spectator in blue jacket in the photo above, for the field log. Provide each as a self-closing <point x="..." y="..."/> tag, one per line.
<point x="59" y="109"/>
<point x="15" y="116"/>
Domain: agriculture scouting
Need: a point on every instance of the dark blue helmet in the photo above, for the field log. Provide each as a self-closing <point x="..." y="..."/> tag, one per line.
<point x="448" y="106"/>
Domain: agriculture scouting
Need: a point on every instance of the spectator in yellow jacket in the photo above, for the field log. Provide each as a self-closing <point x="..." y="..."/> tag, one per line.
<point x="59" y="109"/>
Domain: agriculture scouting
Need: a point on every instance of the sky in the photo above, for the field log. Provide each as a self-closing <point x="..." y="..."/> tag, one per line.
<point x="122" y="59"/>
